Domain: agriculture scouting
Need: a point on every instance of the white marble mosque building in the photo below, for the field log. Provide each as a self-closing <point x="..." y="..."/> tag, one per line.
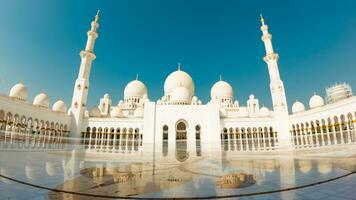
<point x="181" y="116"/>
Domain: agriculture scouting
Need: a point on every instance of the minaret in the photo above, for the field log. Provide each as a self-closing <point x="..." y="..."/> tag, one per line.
<point x="81" y="86"/>
<point x="276" y="86"/>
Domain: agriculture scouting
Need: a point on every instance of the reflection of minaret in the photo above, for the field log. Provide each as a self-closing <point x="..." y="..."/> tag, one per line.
<point x="81" y="86"/>
<point x="276" y="86"/>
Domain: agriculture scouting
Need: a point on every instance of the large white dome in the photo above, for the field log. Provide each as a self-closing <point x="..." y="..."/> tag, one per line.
<point x="59" y="106"/>
<point x="177" y="79"/>
<point x="316" y="101"/>
<point x="19" y="91"/>
<point x="220" y="90"/>
<point x="135" y="89"/>
<point x="298" y="107"/>
<point x="41" y="100"/>
<point x="180" y="94"/>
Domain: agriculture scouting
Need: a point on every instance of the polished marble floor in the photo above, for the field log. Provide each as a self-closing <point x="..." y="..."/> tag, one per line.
<point x="59" y="168"/>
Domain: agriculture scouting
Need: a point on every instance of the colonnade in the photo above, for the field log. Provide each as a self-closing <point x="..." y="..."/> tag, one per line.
<point x="249" y="139"/>
<point x="16" y="123"/>
<point x="331" y="131"/>
<point x="119" y="139"/>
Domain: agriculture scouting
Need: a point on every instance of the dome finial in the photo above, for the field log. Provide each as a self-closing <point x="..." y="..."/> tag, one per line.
<point x="220" y="77"/>
<point x="262" y="19"/>
<point x="179" y="66"/>
<point x="97" y="16"/>
<point x="137" y="76"/>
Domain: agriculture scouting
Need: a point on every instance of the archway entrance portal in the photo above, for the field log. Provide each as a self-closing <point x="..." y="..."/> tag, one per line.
<point x="181" y="131"/>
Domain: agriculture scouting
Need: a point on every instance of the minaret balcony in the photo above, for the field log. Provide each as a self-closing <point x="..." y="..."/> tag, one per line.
<point x="271" y="57"/>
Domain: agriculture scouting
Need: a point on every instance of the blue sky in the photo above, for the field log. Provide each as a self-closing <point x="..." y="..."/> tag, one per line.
<point x="40" y="41"/>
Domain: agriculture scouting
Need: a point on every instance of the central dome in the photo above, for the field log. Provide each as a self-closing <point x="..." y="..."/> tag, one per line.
<point x="180" y="94"/>
<point x="178" y="79"/>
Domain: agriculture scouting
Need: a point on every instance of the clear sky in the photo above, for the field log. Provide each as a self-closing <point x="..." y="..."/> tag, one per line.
<point x="40" y="41"/>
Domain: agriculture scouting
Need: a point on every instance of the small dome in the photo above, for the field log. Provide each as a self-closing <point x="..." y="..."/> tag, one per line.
<point x="316" y="101"/>
<point x="116" y="112"/>
<point x="264" y="112"/>
<point x="41" y="100"/>
<point x="180" y="94"/>
<point x="59" y="106"/>
<point x="177" y="79"/>
<point x="19" y="92"/>
<point x="298" y="107"/>
<point x="139" y="112"/>
<point x="220" y="90"/>
<point x="251" y="96"/>
<point x="95" y="112"/>
<point x="242" y="112"/>
<point x="135" y="89"/>
<point x="106" y="96"/>
<point x="195" y="99"/>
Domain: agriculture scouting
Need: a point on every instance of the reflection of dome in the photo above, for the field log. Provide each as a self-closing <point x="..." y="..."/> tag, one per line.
<point x="139" y="112"/>
<point x="19" y="91"/>
<point x="176" y="79"/>
<point x="298" y="107"/>
<point x="116" y="112"/>
<point x="180" y="94"/>
<point x="221" y="90"/>
<point x="264" y="112"/>
<point x="50" y="169"/>
<point x="324" y="167"/>
<point x="59" y="106"/>
<point x="41" y="100"/>
<point x="95" y="112"/>
<point x="316" y="101"/>
<point x="242" y="112"/>
<point x="135" y="89"/>
<point x="305" y="165"/>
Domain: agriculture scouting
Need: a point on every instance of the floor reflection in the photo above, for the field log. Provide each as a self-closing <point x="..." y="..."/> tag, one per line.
<point x="182" y="170"/>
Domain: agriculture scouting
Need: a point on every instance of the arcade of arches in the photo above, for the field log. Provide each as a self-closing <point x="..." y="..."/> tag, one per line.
<point x="330" y="131"/>
<point x="21" y="124"/>
<point x="111" y="138"/>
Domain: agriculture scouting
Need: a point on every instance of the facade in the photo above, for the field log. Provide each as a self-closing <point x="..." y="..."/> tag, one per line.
<point x="180" y="116"/>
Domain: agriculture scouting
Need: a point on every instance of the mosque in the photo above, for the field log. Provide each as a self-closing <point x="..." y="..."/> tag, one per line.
<point x="181" y="116"/>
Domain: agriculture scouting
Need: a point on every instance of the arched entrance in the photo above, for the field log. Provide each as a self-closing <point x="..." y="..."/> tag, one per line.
<point x="181" y="130"/>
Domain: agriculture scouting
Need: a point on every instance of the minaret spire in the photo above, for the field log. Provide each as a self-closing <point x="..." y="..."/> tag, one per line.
<point x="97" y="16"/>
<point x="262" y="19"/>
<point x="81" y="87"/>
